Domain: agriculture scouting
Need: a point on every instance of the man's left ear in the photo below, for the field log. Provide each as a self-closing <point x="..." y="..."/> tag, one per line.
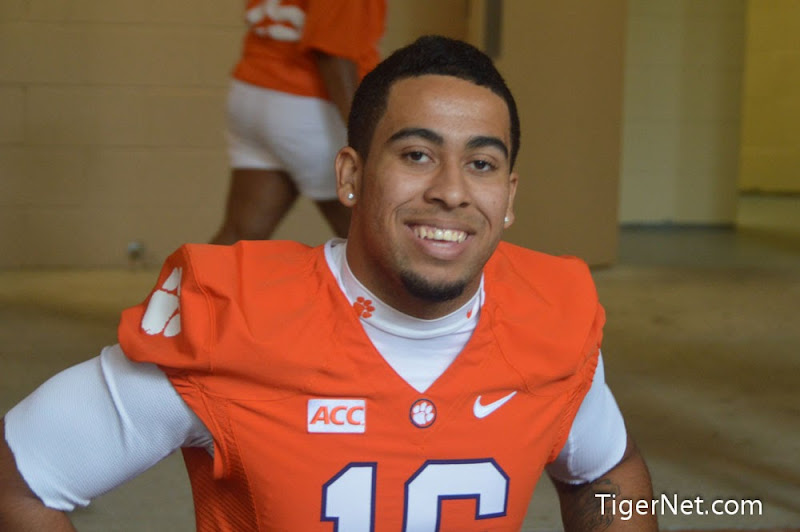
<point x="348" y="168"/>
<point x="512" y="192"/>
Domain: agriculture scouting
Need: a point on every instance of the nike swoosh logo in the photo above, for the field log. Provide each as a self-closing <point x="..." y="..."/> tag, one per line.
<point x="481" y="411"/>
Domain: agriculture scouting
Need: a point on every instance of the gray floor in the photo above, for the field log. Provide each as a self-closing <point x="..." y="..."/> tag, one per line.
<point x="701" y="351"/>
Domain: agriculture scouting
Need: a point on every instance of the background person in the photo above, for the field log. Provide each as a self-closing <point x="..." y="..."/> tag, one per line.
<point x="288" y="103"/>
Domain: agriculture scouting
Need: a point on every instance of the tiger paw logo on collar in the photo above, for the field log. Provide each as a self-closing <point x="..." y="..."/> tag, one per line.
<point x="363" y="307"/>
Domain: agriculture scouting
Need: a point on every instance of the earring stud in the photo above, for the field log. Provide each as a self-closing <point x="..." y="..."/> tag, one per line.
<point x="506" y="220"/>
<point x="351" y="196"/>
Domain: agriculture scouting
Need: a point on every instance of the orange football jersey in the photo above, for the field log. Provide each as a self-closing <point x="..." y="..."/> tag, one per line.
<point x="314" y="431"/>
<point x="282" y="35"/>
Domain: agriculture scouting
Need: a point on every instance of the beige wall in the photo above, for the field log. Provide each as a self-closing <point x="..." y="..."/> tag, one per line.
<point x="683" y="81"/>
<point x="770" y="156"/>
<point x="409" y="19"/>
<point x="112" y="118"/>
<point x="564" y="62"/>
<point x="112" y="121"/>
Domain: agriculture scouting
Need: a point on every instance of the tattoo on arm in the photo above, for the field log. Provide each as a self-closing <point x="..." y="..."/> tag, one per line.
<point x="590" y="510"/>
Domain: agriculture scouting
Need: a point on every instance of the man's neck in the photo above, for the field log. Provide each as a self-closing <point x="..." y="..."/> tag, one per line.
<point x="391" y="290"/>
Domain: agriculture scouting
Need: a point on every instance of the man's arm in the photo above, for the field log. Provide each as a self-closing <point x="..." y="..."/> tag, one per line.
<point x="595" y="506"/>
<point x="20" y="509"/>
<point x="340" y="76"/>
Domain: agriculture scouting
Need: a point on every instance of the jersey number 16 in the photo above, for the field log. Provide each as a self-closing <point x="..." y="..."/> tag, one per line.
<point x="348" y="499"/>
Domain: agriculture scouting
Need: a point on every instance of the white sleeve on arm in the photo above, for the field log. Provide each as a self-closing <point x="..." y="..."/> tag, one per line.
<point x="96" y="425"/>
<point x="597" y="439"/>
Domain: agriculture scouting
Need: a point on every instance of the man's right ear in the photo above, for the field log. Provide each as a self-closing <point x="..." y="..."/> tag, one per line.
<point x="349" y="169"/>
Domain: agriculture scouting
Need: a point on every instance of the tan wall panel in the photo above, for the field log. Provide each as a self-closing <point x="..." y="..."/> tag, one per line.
<point x="48" y="176"/>
<point x="164" y="229"/>
<point x="772" y="25"/>
<point x="164" y="178"/>
<point x="771" y="169"/>
<point x="12" y="114"/>
<point x="770" y="136"/>
<point x="62" y="236"/>
<point x="304" y="224"/>
<point x="196" y="12"/>
<point x="564" y="62"/>
<point x="219" y="49"/>
<point x="133" y="55"/>
<point x="69" y="11"/>
<point x="11" y="10"/>
<point x="185" y="117"/>
<point x="681" y="111"/>
<point x="105" y="232"/>
<point x="56" y="53"/>
<point x="85" y="116"/>
<point x="409" y="19"/>
<point x="15" y="51"/>
<point x="13" y="237"/>
<point x="704" y="152"/>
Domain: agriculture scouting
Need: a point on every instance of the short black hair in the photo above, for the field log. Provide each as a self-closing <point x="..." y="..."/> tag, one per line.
<point x="431" y="54"/>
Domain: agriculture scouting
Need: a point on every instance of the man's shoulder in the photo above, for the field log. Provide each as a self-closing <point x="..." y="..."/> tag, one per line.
<point x="250" y="250"/>
<point x="247" y="258"/>
<point x="555" y="290"/>
<point x="547" y="318"/>
<point x="205" y="290"/>
<point x="227" y="273"/>
<point x="510" y="260"/>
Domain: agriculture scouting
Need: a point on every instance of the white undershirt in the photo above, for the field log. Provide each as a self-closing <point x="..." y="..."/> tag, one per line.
<point x="418" y="350"/>
<point x="116" y="418"/>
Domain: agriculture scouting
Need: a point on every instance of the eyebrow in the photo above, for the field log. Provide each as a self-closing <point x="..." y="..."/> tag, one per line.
<point x="484" y="141"/>
<point x="421" y="132"/>
<point x="430" y="135"/>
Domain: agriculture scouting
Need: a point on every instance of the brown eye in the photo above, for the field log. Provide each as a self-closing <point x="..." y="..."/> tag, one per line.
<point x="482" y="166"/>
<point x="416" y="156"/>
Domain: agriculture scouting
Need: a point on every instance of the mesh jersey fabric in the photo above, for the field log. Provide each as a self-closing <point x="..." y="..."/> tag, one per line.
<point x="278" y="48"/>
<point x="251" y="334"/>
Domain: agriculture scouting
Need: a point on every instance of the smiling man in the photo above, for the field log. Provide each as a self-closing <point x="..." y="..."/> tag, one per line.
<point x="419" y="376"/>
<point x="437" y="191"/>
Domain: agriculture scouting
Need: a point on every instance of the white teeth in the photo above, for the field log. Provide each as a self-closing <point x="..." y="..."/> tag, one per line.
<point x="446" y="235"/>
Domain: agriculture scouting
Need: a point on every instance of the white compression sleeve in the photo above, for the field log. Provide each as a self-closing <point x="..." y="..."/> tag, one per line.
<point x="597" y="439"/>
<point x="96" y="425"/>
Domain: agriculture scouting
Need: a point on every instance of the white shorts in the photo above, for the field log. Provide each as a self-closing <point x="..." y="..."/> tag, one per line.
<point x="274" y="130"/>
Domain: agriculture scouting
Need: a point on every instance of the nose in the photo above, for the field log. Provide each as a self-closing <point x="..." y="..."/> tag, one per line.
<point x="448" y="186"/>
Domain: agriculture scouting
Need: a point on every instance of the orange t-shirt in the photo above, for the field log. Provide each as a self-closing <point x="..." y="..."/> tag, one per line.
<point x="312" y="428"/>
<point x="283" y="34"/>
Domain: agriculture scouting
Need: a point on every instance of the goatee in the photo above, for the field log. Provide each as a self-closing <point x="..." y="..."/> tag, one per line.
<point x="427" y="291"/>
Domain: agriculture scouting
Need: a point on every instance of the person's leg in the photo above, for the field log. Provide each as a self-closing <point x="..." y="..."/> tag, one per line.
<point x="257" y="201"/>
<point x="337" y="215"/>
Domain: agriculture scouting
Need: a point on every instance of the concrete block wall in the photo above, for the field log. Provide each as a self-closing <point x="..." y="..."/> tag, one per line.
<point x="111" y="126"/>
<point x="683" y="85"/>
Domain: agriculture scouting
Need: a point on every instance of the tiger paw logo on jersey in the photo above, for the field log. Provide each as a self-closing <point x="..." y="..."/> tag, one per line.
<point x="423" y="413"/>
<point x="163" y="314"/>
<point x="337" y="415"/>
<point x="363" y="307"/>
